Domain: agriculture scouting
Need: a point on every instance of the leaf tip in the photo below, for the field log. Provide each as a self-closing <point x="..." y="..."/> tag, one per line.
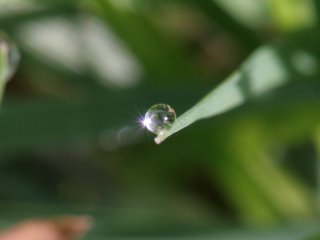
<point x="160" y="137"/>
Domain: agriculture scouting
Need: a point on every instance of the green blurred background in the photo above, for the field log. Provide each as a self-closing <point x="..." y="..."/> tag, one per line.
<point x="71" y="142"/>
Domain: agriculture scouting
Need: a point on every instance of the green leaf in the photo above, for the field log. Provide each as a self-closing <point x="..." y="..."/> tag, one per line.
<point x="262" y="72"/>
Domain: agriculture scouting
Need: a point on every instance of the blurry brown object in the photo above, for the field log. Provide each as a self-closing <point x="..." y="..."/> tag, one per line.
<point x="61" y="228"/>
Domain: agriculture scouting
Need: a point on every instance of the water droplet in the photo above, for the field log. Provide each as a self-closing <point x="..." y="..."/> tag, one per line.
<point x="9" y="57"/>
<point x="158" y="118"/>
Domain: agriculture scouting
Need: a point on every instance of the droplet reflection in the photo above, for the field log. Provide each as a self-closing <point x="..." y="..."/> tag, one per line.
<point x="113" y="139"/>
<point x="158" y="118"/>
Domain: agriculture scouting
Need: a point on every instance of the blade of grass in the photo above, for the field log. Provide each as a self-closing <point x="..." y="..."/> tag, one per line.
<point x="261" y="73"/>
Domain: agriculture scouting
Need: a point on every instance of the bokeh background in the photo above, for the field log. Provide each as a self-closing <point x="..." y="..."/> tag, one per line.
<point x="71" y="142"/>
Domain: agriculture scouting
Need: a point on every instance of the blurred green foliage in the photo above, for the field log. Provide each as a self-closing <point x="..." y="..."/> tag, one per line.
<point x="71" y="142"/>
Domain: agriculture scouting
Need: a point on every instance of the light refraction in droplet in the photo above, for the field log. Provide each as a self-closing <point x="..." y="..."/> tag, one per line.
<point x="159" y="117"/>
<point x="9" y="57"/>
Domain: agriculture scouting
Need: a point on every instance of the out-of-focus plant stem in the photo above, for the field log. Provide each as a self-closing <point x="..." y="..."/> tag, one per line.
<point x="2" y="75"/>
